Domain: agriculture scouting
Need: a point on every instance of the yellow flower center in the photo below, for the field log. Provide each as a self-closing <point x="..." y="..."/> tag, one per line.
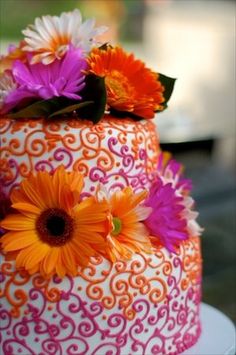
<point x="117" y="226"/>
<point x="54" y="227"/>
<point x="119" y="85"/>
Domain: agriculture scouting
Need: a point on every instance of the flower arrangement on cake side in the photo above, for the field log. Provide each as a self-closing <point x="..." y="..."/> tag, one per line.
<point x="53" y="231"/>
<point x="61" y="70"/>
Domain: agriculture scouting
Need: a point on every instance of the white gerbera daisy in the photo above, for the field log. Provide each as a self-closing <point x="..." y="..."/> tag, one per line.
<point x="50" y="36"/>
<point x="7" y="85"/>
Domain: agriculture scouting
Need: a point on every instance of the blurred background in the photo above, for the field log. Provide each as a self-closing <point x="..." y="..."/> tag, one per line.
<point x="193" y="41"/>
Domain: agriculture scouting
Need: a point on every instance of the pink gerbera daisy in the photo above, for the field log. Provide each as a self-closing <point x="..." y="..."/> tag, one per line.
<point x="171" y="171"/>
<point x="61" y="78"/>
<point x="166" y="221"/>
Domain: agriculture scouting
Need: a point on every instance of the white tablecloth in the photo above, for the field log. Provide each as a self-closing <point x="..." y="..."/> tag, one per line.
<point x="218" y="334"/>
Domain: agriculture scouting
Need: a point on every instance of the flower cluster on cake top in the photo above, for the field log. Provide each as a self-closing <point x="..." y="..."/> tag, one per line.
<point x="61" y="68"/>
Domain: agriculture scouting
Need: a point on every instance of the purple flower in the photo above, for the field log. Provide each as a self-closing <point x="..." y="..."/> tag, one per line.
<point x="166" y="221"/>
<point x="171" y="172"/>
<point x="61" y="78"/>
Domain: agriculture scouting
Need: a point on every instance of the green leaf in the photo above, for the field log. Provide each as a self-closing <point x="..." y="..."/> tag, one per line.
<point x="71" y="108"/>
<point x="38" y="109"/>
<point x="95" y="91"/>
<point x="168" y="84"/>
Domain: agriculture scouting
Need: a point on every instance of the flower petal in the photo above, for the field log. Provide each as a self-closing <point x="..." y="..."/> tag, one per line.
<point x="68" y="260"/>
<point x="26" y="208"/>
<point x="18" y="240"/>
<point x="50" y="261"/>
<point x="32" y="255"/>
<point x="17" y="222"/>
<point x="32" y="191"/>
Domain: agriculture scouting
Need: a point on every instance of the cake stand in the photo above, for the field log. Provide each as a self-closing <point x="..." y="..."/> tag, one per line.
<point x="218" y="334"/>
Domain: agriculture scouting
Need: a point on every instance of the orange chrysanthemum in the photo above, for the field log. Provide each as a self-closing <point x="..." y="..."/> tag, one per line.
<point x="54" y="231"/>
<point x="131" y="87"/>
<point x="127" y="232"/>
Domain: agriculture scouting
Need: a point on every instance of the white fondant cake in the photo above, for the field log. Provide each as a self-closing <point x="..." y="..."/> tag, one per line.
<point x="100" y="248"/>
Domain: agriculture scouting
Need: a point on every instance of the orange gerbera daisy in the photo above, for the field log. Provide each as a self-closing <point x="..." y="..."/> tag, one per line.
<point x="54" y="231"/>
<point x="127" y="232"/>
<point x="131" y="87"/>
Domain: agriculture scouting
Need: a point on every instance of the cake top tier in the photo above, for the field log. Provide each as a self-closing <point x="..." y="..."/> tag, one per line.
<point x="62" y="68"/>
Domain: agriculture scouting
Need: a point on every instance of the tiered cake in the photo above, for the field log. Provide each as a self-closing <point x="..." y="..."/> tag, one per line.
<point x="100" y="246"/>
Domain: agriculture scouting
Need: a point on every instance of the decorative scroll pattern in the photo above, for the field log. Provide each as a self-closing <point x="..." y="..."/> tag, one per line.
<point x="106" y="307"/>
<point x="113" y="152"/>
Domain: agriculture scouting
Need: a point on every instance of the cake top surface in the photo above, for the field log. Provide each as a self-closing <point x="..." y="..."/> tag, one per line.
<point x="62" y="67"/>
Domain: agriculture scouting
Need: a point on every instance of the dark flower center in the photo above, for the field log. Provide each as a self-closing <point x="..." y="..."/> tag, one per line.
<point x="55" y="227"/>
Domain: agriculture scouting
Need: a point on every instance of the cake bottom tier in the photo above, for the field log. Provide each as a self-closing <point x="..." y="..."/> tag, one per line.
<point x="147" y="305"/>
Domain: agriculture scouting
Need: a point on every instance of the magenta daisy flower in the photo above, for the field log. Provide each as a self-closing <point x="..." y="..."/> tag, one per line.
<point x="171" y="171"/>
<point x="61" y="78"/>
<point x="166" y="221"/>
